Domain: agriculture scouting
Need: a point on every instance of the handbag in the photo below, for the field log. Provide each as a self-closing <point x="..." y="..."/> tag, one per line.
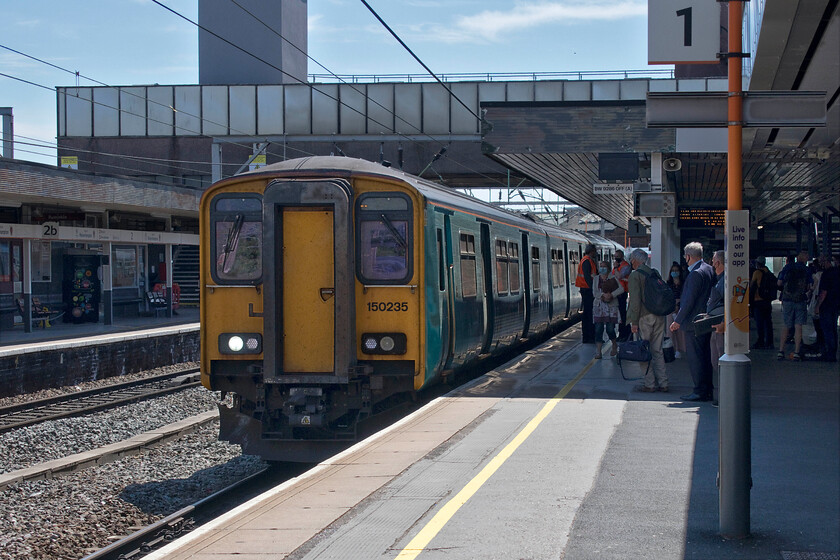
<point x="634" y="351"/>
<point x="704" y="321"/>
<point x="609" y="285"/>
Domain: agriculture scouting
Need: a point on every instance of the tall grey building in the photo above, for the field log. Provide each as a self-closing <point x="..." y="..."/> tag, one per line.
<point x="220" y="63"/>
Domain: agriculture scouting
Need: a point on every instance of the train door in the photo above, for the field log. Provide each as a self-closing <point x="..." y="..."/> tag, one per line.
<point x="570" y="271"/>
<point x="309" y="267"/>
<point x="527" y="298"/>
<point x="489" y="298"/>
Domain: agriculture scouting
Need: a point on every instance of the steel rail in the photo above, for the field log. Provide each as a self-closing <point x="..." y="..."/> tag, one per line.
<point x="172" y="526"/>
<point x="85" y="402"/>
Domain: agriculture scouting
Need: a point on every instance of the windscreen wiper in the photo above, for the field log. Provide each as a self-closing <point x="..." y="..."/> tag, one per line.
<point x="232" y="240"/>
<point x="394" y="232"/>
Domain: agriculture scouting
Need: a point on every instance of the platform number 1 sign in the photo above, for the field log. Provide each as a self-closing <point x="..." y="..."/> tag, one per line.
<point x="683" y="31"/>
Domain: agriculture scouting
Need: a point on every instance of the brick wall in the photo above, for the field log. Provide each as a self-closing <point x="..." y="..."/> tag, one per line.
<point x="34" y="371"/>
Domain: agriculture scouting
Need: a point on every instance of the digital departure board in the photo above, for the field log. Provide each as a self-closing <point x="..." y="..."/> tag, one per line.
<point x="701" y="217"/>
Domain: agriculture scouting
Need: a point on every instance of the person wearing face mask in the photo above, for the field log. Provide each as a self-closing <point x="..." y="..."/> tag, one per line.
<point x="676" y="279"/>
<point x="605" y="289"/>
<point x="621" y="271"/>
<point x="716" y="306"/>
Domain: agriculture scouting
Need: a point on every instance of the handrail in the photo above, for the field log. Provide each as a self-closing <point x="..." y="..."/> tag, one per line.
<point x="492" y="76"/>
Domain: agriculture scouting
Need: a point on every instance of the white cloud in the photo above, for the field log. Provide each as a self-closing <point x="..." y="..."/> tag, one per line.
<point x="489" y="25"/>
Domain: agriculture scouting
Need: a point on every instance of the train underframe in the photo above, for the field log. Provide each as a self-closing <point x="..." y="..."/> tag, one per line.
<point x="305" y="418"/>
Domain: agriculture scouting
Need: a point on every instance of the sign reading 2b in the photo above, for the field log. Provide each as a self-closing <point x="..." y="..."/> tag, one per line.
<point x="683" y="31"/>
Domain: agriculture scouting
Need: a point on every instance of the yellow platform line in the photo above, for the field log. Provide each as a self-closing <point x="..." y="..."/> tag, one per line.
<point x="441" y="518"/>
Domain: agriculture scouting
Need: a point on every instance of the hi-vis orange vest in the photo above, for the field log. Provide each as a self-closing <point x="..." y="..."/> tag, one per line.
<point x="625" y="283"/>
<point x="580" y="281"/>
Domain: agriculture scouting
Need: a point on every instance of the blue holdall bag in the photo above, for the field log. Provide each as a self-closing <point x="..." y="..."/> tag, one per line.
<point x="634" y="351"/>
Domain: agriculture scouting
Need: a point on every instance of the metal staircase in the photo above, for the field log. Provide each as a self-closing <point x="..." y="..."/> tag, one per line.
<point x="185" y="273"/>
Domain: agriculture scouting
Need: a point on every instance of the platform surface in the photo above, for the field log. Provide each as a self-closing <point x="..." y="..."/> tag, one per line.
<point x="555" y="456"/>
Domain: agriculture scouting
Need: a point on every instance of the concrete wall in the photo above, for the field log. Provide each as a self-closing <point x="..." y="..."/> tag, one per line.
<point x="221" y="63"/>
<point x="34" y="371"/>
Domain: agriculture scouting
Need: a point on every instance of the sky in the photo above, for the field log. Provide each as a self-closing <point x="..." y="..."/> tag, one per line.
<point x="132" y="42"/>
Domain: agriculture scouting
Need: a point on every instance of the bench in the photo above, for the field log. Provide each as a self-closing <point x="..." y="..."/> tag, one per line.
<point x="41" y="314"/>
<point x="156" y="301"/>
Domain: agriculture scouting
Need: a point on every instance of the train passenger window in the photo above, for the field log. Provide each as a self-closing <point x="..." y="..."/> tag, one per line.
<point x="557" y="273"/>
<point x="535" y="268"/>
<point x="236" y="223"/>
<point x="469" y="286"/>
<point x="501" y="267"/>
<point x="384" y="238"/>
<point x="513" y="249"/>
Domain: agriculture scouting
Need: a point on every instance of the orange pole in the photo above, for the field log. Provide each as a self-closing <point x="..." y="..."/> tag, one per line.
<point x="735" y="113"/>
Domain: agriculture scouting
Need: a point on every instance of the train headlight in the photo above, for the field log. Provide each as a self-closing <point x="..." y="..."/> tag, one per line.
<point x="387" y="343"/>
<point x="384" y="343"/>
<point x="235" y="343"/>
<point x="240" y="343"/>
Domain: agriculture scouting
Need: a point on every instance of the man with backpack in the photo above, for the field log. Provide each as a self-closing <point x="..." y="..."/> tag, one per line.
<point x="645" y="321"/>
<point x="763" y="291"/>
<point x="695" y="295"/>
<point x="796" y="281"/>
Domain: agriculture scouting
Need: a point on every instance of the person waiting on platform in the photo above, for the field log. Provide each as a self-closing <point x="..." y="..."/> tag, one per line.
<point x="716" y="306"/>
<point x="695" y="295"/>
<point x="621" y="271"/>
<point x="796" y="281"/>
<point x="676" y="279"/>
<point x="649" y="326"/>
<point x="762" y="304"/>
<point x="605" y="288"/>
<point x="586" y="270"/>
<point x="828" y="307"/>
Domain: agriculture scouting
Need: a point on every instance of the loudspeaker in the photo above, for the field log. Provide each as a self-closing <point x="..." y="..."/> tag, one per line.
<point x="672" y="164"/>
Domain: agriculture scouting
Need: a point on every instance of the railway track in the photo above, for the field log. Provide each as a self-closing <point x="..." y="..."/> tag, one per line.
<point x="101" y="398"/>
<point x="186" y="519"/>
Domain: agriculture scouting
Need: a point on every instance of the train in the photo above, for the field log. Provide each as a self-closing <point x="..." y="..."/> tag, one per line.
<point x="333" y="286"/>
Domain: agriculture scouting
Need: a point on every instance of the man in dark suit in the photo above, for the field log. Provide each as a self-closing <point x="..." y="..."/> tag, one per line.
<point x="695" y="295"/>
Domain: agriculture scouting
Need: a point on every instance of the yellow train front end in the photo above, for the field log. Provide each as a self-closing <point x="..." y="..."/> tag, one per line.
<point x="311" y="309"/>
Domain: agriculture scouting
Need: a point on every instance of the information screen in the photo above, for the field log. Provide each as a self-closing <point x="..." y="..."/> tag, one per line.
<point x="701" y="217"/>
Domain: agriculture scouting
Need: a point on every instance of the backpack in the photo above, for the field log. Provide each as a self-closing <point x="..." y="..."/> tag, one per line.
<point x="768" y="288"/>
<point x="795" y="287"/>
<point x="657" y="297"/>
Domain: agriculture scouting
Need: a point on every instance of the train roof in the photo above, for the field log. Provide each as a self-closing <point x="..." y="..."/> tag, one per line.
<point x="345" y="167"/>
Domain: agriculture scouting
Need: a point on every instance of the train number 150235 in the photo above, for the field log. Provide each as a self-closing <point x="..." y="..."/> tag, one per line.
<point x="387" y="306"/>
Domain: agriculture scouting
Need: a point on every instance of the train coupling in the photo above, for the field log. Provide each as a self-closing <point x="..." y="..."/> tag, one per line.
<point x="305" y="406"/>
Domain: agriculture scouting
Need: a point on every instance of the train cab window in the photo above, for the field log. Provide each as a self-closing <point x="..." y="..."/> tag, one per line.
<point x="513" y="250"/>
<point x="535" y="268"/>
<point x="502" y="267"/>
<point x="469" y="286"/>
<point x="236" y="231"/>
<point x="384" y="238"/>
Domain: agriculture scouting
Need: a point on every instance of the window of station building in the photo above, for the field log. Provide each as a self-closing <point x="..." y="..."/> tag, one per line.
<point x="124" y="266"/>
<point x="502" y="267"/>
<point x="236" y="233"/>
<point x="513" y="253"/>
<point x="535" y="268"/>
<point x="469" y="286"/>
<point x="384" y="238"/>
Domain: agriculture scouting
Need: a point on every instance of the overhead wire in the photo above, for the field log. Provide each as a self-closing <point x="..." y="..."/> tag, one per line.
<point x="311" y="86"/>
<point x="149" y="118"/>
<point x="130" y="93"/>
<point x="340" y="79"/>
<point x="417" y="58"/>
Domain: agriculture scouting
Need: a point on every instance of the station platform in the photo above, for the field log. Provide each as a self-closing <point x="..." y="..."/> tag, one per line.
<point x="61" y="331"/>
<point x="66" y="354"/>
<point x="554" y="455"/>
